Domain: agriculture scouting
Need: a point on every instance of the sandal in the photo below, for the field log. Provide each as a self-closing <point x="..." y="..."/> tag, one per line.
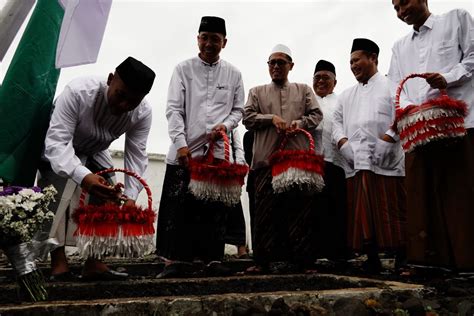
<point x="253" y="270"/>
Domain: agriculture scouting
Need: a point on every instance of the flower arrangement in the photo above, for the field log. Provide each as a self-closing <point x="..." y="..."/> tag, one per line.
<point x="22" y="213"/>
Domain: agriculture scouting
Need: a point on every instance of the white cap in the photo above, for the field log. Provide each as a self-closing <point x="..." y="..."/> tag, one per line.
<point x="280" y="48"/>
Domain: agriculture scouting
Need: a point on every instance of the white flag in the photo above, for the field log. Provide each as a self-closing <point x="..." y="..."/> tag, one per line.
<point x="82" y="31"/>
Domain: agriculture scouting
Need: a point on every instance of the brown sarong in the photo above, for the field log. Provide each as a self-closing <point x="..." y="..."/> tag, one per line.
<point x="376" y="211"/>
<point x="440" y="186"/>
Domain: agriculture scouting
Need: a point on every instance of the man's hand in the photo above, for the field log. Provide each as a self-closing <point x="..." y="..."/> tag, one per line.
<point x="294" y="124"/>
<point x="436" y="81"/>
<point x="129" y="202"/>
<point x="388" y="138"/>
<point x="216" y="132"/>
<point x="279" y="123"/>
<point x="341" y="142"/>
<point x="183" y="156"/>
<point x="98" y="186"/>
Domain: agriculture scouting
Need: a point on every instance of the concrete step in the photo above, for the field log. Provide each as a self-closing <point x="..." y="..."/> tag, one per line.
<point x="190" y="286"/>
<point x="136" y="268"/>
<point x="196" y="296"/>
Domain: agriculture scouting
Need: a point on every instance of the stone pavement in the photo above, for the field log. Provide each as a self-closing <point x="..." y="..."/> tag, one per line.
<point x="334" y="292"/>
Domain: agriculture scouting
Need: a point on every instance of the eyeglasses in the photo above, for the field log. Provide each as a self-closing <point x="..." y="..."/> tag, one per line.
<point x="279" y="62"/>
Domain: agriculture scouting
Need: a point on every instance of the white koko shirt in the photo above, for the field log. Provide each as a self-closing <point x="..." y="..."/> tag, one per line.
<point x="82" y="126"/>
<point x="201" y="96"/>
<point x="444" y="44"/>
<point x="324" y="130"/>
<point x="364" y="113"/>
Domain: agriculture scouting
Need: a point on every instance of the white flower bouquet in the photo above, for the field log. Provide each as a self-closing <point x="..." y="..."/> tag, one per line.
<point x="23" y="211"/>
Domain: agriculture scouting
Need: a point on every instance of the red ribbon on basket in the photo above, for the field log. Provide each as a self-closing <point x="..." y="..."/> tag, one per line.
<point x="435" y="119"/>
<point x="114" y="229"/>
<point x="302" y="168"/>
<point x="216" y="179"/>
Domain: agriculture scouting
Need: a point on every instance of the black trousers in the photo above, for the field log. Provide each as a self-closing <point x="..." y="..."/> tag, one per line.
<point x="188" y="228"/>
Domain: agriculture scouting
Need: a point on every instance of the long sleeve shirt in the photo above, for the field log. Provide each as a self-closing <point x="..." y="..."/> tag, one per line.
<point x="292" y="102"/>
<point x="443" y="44"/>
<point x="201" y="96"/>
<point x="83" y="126"/>
<point x="324" y="130"/>
<point x="364" y="113"/>
<point x="237" y="149"/>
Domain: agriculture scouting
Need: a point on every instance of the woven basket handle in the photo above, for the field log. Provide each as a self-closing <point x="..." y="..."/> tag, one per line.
<point x="297" y="131"/>
<point x="210" y="153"/>
<point x="127" y="172"/>
<point x="400" y="87"/>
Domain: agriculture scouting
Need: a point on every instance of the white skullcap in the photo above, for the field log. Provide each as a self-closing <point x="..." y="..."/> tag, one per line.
<point x="280" y="48"/>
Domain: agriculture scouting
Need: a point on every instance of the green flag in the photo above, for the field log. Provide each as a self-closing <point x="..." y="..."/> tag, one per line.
<point x="27" y="93"/>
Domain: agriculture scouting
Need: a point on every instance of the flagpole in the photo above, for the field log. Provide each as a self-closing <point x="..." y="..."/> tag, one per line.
<point x="12" y="17"/>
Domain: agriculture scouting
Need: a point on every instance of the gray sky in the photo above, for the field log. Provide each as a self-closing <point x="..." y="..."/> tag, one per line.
<point x="163" y="33"/>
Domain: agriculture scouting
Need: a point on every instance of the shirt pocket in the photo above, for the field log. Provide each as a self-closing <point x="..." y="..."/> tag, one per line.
<point x="222" y="95"/>
<point x="447" y="49"/>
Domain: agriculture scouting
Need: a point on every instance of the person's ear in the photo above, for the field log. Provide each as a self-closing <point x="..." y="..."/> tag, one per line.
<point x="110" y="78"/>
<point x="224" y="42"/>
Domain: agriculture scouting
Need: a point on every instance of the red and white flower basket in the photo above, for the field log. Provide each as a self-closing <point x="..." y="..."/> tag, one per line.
<point x="113" y="229"/>
<point x="302" y="169"/>
<point x="216" y="179"/>
<point x="433" y="120"/>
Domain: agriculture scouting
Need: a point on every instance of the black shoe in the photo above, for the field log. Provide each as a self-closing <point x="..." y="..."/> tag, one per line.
<point x="64" y="277"/>
<point x="176" y="270"/>
<point x="372" y="266"/>
<point x="216" y="269"/>
<point x="109" y="275"/>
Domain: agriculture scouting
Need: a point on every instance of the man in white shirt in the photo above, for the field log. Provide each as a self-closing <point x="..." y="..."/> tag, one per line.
<point x="375" y="162"/>
<point x="440" y="176"/>
<point x="205" y="96"/>
<point x="331" y="204"/>
<point x="88" y="116"/>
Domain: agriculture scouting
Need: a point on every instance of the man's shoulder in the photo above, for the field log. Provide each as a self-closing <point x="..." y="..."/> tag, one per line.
<point x="299" y="85"/>
<point x="347" y="91"/>
<point x="86" y="84"/>
<point x="261" y="87"/>
<point x="454" y="13"/>
<point x="228" y="65"/>
<point x="403" y="40"/>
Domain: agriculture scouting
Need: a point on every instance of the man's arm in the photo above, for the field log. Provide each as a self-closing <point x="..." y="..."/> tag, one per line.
<point x="464" y="70"/>
<point x="59" y="148"/>
<point x="136" y="158"/>
<point x="175" y="110"/>
<point x="338" y="135"/>
<point x="253" y="118"/>
<point x="58" y="143"/>
<point x="176" y="114"/>
<point x="313" y="114"/>
<point x="395" y="77"/>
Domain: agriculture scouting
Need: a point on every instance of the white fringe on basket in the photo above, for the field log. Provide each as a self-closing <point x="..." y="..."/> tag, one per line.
<point x="115" y="246"/>
<point x="228" y="194"/>
<point x="429" y="114"/>
<point x="299" y="178"/>
<point x="425" y="115"/>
